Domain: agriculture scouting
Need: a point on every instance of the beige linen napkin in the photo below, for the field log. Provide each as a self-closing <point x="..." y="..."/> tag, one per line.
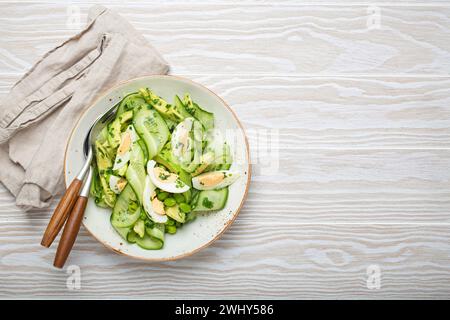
<point x="37" y="116"/>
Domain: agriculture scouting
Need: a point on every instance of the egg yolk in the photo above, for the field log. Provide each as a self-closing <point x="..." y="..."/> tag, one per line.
<point x="121" y="184"/>
<point x="158" y="206"/>
<point x="163" y="176"/>
<point x="211" y="178"/>
<point x="124" y="144"/>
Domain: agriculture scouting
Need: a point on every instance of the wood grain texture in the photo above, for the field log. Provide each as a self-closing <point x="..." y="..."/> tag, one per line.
<point x="335" y="112"/>
<point x="363" y="123"/>
<point x="305" y="261"/>
<point x="334" y="186"/>
<point x="263" y="39"/>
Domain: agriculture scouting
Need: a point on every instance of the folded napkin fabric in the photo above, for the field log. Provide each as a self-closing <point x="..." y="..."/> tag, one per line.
<point x="37" y="116"/>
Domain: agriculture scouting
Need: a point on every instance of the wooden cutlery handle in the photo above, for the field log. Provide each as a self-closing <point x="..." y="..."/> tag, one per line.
<point x="70" y="232"/>
<point x="61" y="213"/>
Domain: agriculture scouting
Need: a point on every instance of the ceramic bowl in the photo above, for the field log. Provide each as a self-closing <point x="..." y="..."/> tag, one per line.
<point x="208" y="227"/>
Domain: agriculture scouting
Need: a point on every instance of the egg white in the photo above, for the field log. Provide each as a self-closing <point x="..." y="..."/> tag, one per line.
<point x="181" y="141"/>
<point x="176" y="186"/>
<point x="114" y="184"/>
<point x="123" y="159"/>
<point x="149" y="190"/>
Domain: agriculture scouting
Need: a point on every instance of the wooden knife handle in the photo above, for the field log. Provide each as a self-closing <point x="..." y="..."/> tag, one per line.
<point x="61" y="212"/>
<point x="70" y="232"/>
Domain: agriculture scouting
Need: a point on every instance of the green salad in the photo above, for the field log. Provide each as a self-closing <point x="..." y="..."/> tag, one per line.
<point x="157" y="165"/>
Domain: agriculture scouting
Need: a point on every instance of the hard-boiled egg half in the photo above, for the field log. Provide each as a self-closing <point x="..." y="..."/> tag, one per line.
<point x="117" y="184"/>
<point x="123" y="151"/>
<point x="167" y="181"/>
<point x="153" y="207"/>
<point x="181" y="140"/>
<point x="214" y="179"/>
<point x="187" y="143"/>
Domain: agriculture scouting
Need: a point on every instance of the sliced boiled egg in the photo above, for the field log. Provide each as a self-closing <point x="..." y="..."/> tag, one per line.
<point x="123" y="151"/>
<point x="165" y="180"/>
<point x="214" y="179"/>
<point x="117" y="184"/>
<point x="181" y="140"/>
<point x="154" y="212"/>
<point x="158" y="206"/>
<point x="133" y="133"/>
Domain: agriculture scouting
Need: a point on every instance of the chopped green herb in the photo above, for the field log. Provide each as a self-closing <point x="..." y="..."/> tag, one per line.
<point x="207" y="204"/>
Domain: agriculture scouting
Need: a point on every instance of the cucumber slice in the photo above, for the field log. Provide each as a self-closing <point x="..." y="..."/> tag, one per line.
<point x="152" y="128"/>
<point x="211" y="200"/>
<point x="123" y="232"/>
<point x="130" y="102"/>
<point x="149" y="243"/>
<point x="144" y="150"/>
<point x="136" y="178"/>
<point x="120" y="216"/>
<point x="157" y="231"/>
<point x="132" y="237"/>
<point x="206" y="118"/>
<point x="137" y="154"/>
<point x="152" y="240"/>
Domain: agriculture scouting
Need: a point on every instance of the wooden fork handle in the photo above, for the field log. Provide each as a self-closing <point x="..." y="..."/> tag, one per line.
<point x="70" y="232"/>
<point x="61" y="212"/>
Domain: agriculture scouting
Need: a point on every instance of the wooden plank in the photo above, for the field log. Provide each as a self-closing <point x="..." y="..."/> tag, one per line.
<point x="334" y="186"/>
<point x="334" y="112"/>
<point x="305" y="261"/>
<point x="263" y="39"/>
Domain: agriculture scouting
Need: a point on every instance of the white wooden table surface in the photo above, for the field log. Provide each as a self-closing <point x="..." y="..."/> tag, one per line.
<point x="362" y="107"/>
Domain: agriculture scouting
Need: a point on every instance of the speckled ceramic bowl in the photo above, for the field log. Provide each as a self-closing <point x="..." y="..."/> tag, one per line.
<point x="207" y="227"/>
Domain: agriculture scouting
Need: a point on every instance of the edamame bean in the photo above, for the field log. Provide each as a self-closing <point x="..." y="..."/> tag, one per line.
<point x="185" y="207"/>
<point x="162" y="196"/>
<point x="171" y="229"/>
<point x="179" y="197"/>
<point x="170" y="202"/>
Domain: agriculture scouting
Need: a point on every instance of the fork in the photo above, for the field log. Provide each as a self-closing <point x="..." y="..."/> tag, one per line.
<point x="73" y="203"/>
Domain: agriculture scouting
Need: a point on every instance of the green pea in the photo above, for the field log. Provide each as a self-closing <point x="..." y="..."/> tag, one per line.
<point x="170" y="202"/>
<point x="170" y="222"/>
<point x="179" y="197"/>
<point x="171" y="229"/>
<point x="185" y="207"/>
<point x="162" y="196"/>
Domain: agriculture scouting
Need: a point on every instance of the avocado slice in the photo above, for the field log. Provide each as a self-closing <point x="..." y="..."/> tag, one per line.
<point x="125" y="117"/>
<point x="114" y="133"/>
<point x="168" y="111"/>
<point x="175" y="213"/>
<point x="139" y="228"/>
<point x="108" y="195"/>
<point x="104" y="161"/>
